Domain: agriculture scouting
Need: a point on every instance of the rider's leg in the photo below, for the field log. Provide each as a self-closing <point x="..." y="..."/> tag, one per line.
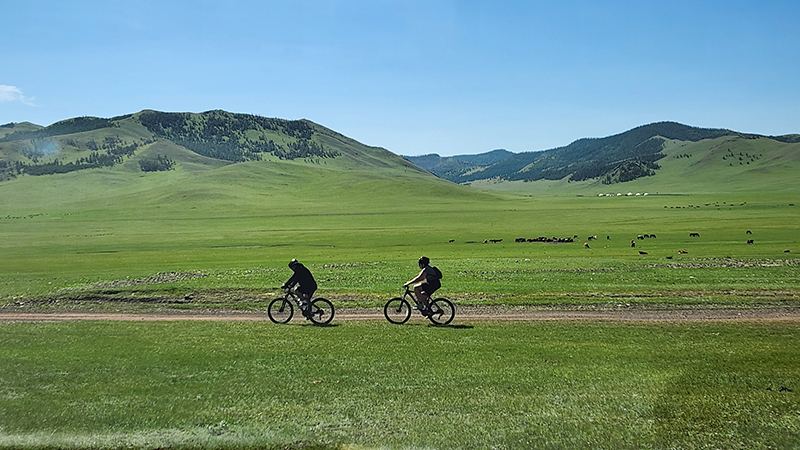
<point x="422" y="297"/>
<point x="304" y="303"/>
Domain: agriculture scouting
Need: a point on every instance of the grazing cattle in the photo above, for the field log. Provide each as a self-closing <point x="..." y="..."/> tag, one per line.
<point x="652" y="236"/>
<point x="682" y="252"/>
<point x="749" y="232"/>
<point x="749" y="241"/>
<point x="585" y="245"/>
<point x="787" y="251"/>
<point x="451" y="241"/>
<point x="494" y="241"/>
<point x="640" y="237"/>
<point x="694" y="234"/>
<point x="592" y="237"/>
<point x="633" y="243"/>
<point x="555" y="240"/>
<point x="608" y="237"/>
<point x="520" y="240"/>
<point x="642" y="253"/>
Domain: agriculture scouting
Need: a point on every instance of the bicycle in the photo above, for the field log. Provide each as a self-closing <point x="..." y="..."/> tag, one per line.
<point x="320" y="311"/>
<point x="397" y="310"/>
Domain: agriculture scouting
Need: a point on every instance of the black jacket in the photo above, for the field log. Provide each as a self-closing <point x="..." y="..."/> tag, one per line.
<point x="302" y="277"/>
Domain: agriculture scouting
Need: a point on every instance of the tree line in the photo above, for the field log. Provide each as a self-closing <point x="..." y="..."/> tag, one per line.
<point x="111" y="151"/>
<point x="232" y="137"/>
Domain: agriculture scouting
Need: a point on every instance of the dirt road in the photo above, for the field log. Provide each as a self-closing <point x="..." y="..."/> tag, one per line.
<point x="465" y="315"/>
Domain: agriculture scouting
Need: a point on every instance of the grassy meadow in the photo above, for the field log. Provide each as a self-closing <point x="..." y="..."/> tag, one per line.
<point x="113" y="234"/>
<point x="375" y="385"/>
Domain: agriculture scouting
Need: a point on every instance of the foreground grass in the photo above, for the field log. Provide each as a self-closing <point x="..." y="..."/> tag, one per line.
<point x="522" y="385"/>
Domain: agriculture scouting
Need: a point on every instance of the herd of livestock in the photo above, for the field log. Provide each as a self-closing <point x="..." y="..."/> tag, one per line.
<point x="564" y="240"/>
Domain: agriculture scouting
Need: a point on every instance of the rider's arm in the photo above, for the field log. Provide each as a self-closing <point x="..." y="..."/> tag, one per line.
<point x="291" y="281"/>
<point x="419" y="278"/>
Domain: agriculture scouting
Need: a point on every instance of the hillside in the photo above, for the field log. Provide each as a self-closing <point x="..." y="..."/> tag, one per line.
<point x="151" y="141"/>
<point x="15" y="127"/>
<point x="660" y="157"/>
<point x="452" y="168"/>
<point x="179" y="164"/>
<point x="640" y="153"/>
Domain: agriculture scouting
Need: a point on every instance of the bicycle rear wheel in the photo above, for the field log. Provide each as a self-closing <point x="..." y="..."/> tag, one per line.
<point x="320" y="311"/>
<point x="280" y="310"/>
<point x="397" y="311"/>
<point x="442" y="311"/>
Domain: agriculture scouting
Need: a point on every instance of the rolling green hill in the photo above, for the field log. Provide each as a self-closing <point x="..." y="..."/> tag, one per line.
<point x="664" y="157"/>
<point x="196" y="141"/>
<point x="660" y="157"/>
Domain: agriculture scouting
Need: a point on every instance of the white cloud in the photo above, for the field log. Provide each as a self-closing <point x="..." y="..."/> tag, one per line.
<point x="14" y="94"/>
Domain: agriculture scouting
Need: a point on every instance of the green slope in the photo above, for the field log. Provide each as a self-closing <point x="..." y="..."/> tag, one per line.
<point x="636" y="159"/>
<point x="209" y="140"/>
<point x="662" y="157"/>
<point x="705" y="166"/>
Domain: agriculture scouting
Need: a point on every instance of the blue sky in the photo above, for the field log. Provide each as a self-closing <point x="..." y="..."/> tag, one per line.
<point x="415" y="77"/>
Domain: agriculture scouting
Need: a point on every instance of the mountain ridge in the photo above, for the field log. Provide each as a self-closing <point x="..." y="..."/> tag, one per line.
<point x="623" y="157"/>
<point x="666" y="153"/>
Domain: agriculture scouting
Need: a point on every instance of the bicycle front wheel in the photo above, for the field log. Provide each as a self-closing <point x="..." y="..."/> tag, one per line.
<point x="280" y="310"/>
<point x="442" y="311"/>
<point x="321" y="311"/>
<point x="397" y="311"/>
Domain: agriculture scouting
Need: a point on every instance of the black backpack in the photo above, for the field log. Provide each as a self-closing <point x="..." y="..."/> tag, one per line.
<point x="438" y="272"/>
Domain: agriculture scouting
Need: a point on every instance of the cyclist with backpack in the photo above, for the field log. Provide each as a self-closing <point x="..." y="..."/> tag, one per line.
<point x="427" y="282"/>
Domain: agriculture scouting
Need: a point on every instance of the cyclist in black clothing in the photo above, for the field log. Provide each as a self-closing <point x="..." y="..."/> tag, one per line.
<point x="428" y="281"/>
<point x="301" y="281"/>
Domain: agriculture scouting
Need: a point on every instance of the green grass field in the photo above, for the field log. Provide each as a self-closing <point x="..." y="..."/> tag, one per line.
<point x="216" y="236"/>
<point x="375" y="385"/>
<point x="98" y="235"/>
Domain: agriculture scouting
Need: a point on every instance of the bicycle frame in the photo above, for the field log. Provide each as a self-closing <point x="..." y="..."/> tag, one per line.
<point x="410" y="294"/>
<point x="290" y="294"/>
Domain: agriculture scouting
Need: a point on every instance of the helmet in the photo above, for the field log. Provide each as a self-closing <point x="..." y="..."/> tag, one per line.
<point x="424" y="261"/>
<point x="293" y="263"/>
